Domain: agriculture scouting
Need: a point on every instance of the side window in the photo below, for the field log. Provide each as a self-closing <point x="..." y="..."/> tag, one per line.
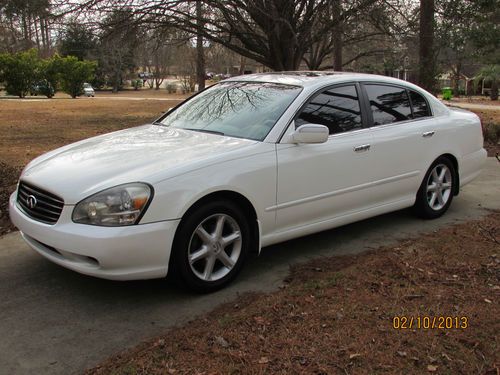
<point x="388" y="104"/>
<point x="336" y="108"/>
<point x="419" y="104"/>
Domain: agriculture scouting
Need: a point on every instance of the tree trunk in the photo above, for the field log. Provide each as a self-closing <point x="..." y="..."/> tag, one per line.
<point x="37" y="37"/>
<point x="200" y="54"/>
<point x="42" y="33"/>
<point x="494" y="90"/>
<point x="456" y="84"/>
<point x="242" y="65"/>
<point x="337" y="51"/>
<point x="427" y="66"/>
<point x="337" y="37"/>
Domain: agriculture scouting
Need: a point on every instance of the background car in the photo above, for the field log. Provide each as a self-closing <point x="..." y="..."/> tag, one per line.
<point x="88" y="90"/>
<point x="249" y="162"/>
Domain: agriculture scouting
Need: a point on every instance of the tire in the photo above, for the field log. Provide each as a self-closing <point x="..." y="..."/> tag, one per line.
<point x="201" y="259"/>
<point x="436" y="192"/>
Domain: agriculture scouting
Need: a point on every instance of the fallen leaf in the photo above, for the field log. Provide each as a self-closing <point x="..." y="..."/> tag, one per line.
<point x="432" y="368"/>
<point x="401" y="354"/>
<point x="355" y="355"/>
<point x="221" y="341"/>
<point x="263" y="360"/>
<point x="259" y="320"/>
<point x="444" y="355"/>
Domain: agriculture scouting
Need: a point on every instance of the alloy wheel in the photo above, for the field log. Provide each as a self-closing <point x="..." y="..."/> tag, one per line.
<point x="439" y="186"/>
<point x="215" y="247"/>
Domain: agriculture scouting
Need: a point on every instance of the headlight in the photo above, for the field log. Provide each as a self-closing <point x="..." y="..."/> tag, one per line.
<point x="120" y="205"/>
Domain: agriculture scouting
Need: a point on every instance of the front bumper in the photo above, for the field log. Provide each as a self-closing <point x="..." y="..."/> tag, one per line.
<point x="115" y="253"/>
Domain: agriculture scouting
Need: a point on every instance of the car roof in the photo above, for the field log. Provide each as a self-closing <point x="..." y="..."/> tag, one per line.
<point x="313" y="78"/>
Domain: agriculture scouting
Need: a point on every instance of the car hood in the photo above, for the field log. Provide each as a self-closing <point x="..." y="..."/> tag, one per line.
<point x="148" y="153"/>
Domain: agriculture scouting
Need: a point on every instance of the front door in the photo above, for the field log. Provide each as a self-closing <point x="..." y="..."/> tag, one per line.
<point x="318" y="182"/>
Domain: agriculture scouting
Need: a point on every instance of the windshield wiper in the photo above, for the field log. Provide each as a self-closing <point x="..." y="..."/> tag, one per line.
<point x="204" y="131"/>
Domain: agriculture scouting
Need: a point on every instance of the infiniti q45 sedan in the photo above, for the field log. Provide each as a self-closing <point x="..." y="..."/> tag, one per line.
<point x="249" y="162"/>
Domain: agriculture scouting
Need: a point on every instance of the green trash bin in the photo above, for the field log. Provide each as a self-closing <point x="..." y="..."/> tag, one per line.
<point x="447" y="93"/>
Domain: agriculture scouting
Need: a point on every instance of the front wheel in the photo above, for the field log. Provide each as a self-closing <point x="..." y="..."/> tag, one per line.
<point x="211" y="246"/>
<point x="436" y="191"/>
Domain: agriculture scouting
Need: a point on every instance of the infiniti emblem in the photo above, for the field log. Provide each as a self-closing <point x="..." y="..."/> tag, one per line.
<point x="31" y="201"/>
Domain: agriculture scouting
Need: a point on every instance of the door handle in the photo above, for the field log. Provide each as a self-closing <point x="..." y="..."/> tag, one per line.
<point x="362" y="148"/>
<point x="428" y="134"/>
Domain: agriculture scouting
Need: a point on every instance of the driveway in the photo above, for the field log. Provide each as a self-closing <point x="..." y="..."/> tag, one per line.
<point x="55" y="321"/>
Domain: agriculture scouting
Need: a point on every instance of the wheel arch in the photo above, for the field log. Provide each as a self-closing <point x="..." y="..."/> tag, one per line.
<point x="454" y="161"/>
<point x="241" y="201"/>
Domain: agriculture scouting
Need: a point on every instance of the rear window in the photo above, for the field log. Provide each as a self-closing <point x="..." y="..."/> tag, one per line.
<point x="419" y="104"/>
<point x="389" y="104"/>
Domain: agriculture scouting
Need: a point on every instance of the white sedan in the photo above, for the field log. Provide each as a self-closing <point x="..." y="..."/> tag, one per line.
<point x="249" y="162"/>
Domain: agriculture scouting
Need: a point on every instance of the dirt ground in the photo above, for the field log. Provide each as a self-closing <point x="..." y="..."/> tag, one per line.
<point x="490" y="120"/>
<point x="352" y="315"/>
<point x="475" y="100"/>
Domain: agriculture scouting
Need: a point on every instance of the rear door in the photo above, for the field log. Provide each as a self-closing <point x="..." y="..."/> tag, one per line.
<point x="402" y="138"/>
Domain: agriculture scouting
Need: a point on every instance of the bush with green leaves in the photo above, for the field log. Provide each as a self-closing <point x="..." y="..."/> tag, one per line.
<point x="24" y="73"/>
<point x="20" y="72"/>
<point x="74" y="73"/>
<point x="50" y="70"/>
<point x="136" y="84"/>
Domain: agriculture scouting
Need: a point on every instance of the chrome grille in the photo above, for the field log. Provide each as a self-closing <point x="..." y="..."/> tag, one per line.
<point x="39" y="204"/>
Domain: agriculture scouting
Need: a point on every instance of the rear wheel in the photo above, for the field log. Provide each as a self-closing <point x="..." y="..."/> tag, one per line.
<point x="211" y="246"/>
<point x="436" y="191"/>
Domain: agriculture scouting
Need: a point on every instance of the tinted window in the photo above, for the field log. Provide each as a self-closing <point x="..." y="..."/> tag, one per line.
<point x="336" y="108"/>
<point x="419" y="104"/>
<point x="238" y="109"/>
<point x="388" y="104"/>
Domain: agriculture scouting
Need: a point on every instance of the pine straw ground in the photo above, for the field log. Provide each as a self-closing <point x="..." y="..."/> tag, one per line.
<point x="335" y="316"/>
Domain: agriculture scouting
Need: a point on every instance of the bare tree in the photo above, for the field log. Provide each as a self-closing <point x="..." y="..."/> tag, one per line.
<point x="350" y="30"/>
<point x="117" y="46"/>
<point x="200" y="54"/>
<point x="275" y="33"/>
<point x="30" y="19"/>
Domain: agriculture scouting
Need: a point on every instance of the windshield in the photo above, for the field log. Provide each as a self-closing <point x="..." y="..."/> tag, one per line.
<point x="237" y="109"/>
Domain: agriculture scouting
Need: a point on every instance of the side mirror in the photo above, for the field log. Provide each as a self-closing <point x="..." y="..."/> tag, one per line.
<point x="310" y="133"/>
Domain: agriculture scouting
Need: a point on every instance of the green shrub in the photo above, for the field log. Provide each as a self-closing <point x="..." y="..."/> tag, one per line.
<point x="74" y="73"/>
<point x="20" y="72"/>
<point x="136" y="84"/>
